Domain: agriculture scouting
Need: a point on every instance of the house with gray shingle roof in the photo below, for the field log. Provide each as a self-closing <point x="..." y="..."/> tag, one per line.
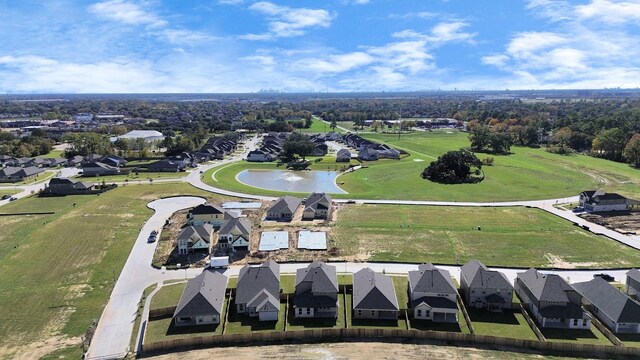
<point x="283" y="209"/>
<point x="99" y="169"/>
<point x="207" y="214"/>
<point x="16" y="174"/>
<point x="316" y="291"/>
<point x="633" y="283"/>
<point x="374" y="296"/>
<point x="317" y="206"/>
<point x="258" y="291"/>
<point x="235" y="233"/>
<point x="433" y="295"/>
<point x="194" y="238"/>
<point x="551" y="300"/>
<point x="485" y="289"/>
<point x="616" y="310"/>
<point x="202" y="300"/>
<point x="65" y="186"/>
<point x="343" y="155"/>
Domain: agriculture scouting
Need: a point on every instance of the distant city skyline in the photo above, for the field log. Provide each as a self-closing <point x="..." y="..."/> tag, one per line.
<point x="191" y="46"/>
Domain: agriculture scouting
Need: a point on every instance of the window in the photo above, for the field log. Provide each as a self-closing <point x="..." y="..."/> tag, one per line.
<point x="359" y="312"/>
<point x="299" y="311"/>
<point x="419" y="312"/>
<point x="575" y="322"/>
<point x="308" y="311"/>
<point x="373" y="313"/>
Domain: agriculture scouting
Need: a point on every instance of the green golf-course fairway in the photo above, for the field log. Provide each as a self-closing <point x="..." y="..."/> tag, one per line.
<point x="525" y="174"/>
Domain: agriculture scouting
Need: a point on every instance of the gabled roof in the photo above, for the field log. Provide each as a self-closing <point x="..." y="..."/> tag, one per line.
<point x="71" y="182"/>
<point x="343" y="152"/>
<point x="241" y="224"/>
<point x="317" y="200"/>
<point x="285" y="203"/>
<point x="252" y="280"/>
<point x="99" y="165"/>
<point x="480" y="276"/>
<point x="373" y="291"/>
<point x="197" y="233"/>
<point x="634" y="274"/>
<point x="203" y="294"/>
<point x="205" y="209"/>
<point x="430" y="279"/>
<point x="615" y="304"/>
<point x="545" y="287"/>
<point x="323" y="277"/>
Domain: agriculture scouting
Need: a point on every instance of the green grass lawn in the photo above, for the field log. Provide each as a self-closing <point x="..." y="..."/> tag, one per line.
<point x="8" y="192"/>
<point x="168" y="295"/>
<point x="132" y="177"/>
<point x="53" y="154"/>
<point x="57" y="271"/>
<point x="288" y="284"/>
<point x="507" y="324"/>
<point x="240" y="323"/>
<point x="526" y="174"/>
<point x="592" y="336"/>
<point x="317" y="127"/>
<point x="296" y="324"/>
<point x="509" y="236"/>
<point x="401" y="285"/>
<point x="164" y="329"/>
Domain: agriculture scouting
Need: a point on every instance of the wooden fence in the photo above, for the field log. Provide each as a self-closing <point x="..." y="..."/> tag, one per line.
<point x="600" y="326"/>
<point x="391" y="335"/>
<point x="160" y="313"/>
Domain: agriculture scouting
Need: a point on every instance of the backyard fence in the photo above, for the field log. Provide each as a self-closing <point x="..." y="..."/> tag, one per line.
<point x="393" y="335"/>
<point x="160" y="313"/>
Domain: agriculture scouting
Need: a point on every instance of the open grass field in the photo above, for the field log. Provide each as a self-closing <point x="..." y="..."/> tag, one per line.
<point x="526" y="174"/>
<point x="57" y="271"/>
<point x="4" y="192"/>
<point x="508" y="324"/>
<point x="513" y="236"/>
<point x="132" y="177"/>
<point x="54" y="154"/>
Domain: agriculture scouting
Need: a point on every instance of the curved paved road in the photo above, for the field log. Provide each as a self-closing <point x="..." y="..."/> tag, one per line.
<point x="111" y="339"/>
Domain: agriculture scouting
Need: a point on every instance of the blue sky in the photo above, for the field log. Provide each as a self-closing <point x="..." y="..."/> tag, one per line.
<point x="133" y="46"/>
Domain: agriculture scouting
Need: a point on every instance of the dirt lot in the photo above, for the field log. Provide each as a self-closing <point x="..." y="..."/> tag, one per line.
<point x="622" y="222"/>
<point x="356" y="350"/>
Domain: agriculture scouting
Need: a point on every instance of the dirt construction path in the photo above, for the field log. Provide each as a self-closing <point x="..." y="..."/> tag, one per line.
<point x="356" y="350"/>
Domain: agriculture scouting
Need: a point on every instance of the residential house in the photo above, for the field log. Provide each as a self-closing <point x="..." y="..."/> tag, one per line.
<point x="368" y="154"/>
<point x="235" y="233"/>
<point x="551" y="300"/>
<point x="432" y="294"/>
<point x="99" y="169"/>
<point x="92" y="158"/>
<point x="38" y="162"/>
<point x="55" y="162"/>
<point x="283" y="209"/>
<point x="259" y="156"/>
<point x="194" y="238"/>
<point x="485" y="289"/>
<point x="616" y="310"/>
<point x="165" y="166"/>
<point x="16" y="174"/>
<point x="633" y="283"/>
<point x="207" y="214"/>
<point x="114" y="160"/>
<point x="202" y="300"/>
<point x="75" y="161"/>
<point x="599" y="201"/>
<point x="374" y="296"/>
<point x="65" y="186"/>
<point x="4" y="159"/>
<point x="343" y="155"/>
<point x="258" y="291"/>
<point x="317" y="206"/>
<point x="316" y="291"/>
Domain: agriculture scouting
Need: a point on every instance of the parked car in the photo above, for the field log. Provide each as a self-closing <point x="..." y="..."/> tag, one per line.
<point x="152" y="237"/>
<point x="6" y="197"/>
<point x="605" y="277"/>
<point x="13" y="198"/>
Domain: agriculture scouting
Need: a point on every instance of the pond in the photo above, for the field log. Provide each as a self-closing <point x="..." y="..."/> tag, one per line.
<point x="292" y="181"/>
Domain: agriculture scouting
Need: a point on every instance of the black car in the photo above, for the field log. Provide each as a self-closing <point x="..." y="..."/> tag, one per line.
<point x="6" y="197"/>
<point x="606" y="277"/>
<point x="13" y="199"/>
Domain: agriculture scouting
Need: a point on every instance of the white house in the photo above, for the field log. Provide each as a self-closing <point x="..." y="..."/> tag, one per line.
<point x="194" y="238"/>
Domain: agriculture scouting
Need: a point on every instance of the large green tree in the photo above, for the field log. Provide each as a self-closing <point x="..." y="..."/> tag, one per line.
<point x="610" y="144"/>
<point x="632" y="150"/>
<point x="454" y="167"/>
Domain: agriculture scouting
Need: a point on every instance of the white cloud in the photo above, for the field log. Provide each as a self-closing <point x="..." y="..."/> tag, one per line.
<point x="575" y="51"/>
<point x="263" y="60"/>
<point x="126" y="12"/>
<point x="610" y="11"/>
<point x="287" y="22"/>
<point x="441" y="33"/>
<point x="335" y="63"/>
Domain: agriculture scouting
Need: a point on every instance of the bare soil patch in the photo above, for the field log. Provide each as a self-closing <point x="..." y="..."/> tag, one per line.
<point x="622" y="222"/>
